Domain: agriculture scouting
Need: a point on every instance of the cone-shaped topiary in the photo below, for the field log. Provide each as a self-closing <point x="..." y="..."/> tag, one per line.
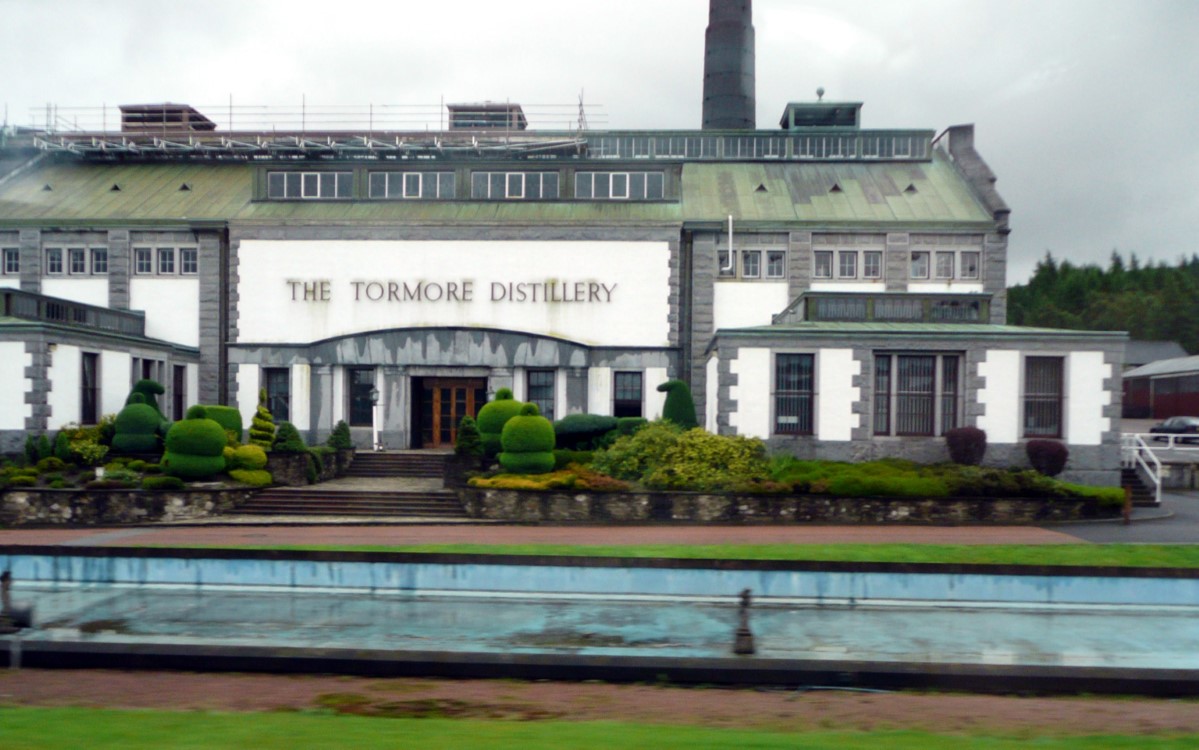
<point x="137" y="427"/>
<point x="492" y="418"/>
<point x="468" y="441"/>
<point x="262" y="426"/>
<point x="340" y="438"/>
<point x="528" y="442"/>
<point x="195" y="446"/>
<point x="679" y="407"/>
<point x="288" y="440"/>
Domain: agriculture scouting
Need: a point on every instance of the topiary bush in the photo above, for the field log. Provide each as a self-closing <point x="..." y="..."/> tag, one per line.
<point x="288" y="440"/>
<point x="1047" y="456"/>
<point x="162" y="483"/>
<point x="340" y="438"/>
<point x="468" y="441"/>
<point x="564" y="457"/>
<point x="195" y="446"/>
<point x="634" y="456"/>
<point x="967" y="445"/>
<point x="62" y="445"/>
<point x="492" y="418"/>
<point x="50" y="464"/>
<point x="44" y="449"/>
<point x="630" y="425"/>
<point x="228" y="417"/>
<point x="528" y="443"/>
<point x="581" y="431"/>
<point x="137" y="427"/>
<point x="31" y="456"/>
<point x="246" y="457"/>
<point x="252" y="477"/>
<point x="149" y="390"/>
<point x="702" y="461"/>
<point x="679" y="407"/>
<point x="262" y="425"/>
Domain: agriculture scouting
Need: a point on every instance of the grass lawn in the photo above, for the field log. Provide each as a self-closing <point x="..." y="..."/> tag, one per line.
<point x="1100" y="555"/>
<point x="96" y="729"/>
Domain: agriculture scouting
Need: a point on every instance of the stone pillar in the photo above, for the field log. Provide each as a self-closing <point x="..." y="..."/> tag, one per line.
<point x="897" y="258"/>
<point x="30" y="243"/>
<point x="576" y="390"/>
<point x="394" y="407"/>
<point x="119" y="268"/>
<point x="704" y="268"/>
<point x="211" y="342"/>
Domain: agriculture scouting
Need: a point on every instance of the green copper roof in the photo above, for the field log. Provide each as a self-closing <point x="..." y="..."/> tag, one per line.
<point x="917" y="193"/>
<point x="836" y="192"/>
<point x="973" y="330"/>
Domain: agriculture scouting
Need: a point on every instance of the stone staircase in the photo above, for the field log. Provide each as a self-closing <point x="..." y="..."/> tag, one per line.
<point x="1142" y="494"/>
<point x="384" y="485"/>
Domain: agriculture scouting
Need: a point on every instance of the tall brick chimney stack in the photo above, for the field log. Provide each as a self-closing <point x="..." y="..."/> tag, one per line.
<point x="729" y="66"/>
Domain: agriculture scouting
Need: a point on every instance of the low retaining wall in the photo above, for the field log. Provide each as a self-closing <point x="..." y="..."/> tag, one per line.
<point x="38" y="507"/>
<point x="291" y="469"/>
<point x="687" y="507"/>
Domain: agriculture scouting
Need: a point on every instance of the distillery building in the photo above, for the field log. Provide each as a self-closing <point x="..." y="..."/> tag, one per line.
<point x="835" y="290"/>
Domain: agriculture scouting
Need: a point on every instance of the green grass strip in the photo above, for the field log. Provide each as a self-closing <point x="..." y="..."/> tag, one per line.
<point x="95" y="729"/>
<point x="1089" y="555"/>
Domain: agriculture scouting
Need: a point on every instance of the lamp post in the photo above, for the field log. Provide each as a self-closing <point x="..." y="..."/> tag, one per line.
<point x="374" y="396"/>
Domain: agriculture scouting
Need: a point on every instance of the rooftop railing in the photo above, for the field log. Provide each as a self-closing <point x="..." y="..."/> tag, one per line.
<point x="39" y="307"/>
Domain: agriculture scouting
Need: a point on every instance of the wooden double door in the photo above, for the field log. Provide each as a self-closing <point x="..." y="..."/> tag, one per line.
<point x="440" y="404"/>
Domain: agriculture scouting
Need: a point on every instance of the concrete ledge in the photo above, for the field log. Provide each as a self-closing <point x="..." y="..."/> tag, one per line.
<point x="690" y="507"/>
<point x="981" y="678"/>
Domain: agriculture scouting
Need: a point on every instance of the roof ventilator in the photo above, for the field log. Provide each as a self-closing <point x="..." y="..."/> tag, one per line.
<point x="836" y="188"/>
<point x="761" y="189"/>
<point x="115" y="188"/>
<point x="46" y="188"/>
<point x="185" y="188"/>
<point x="911" y="188"/>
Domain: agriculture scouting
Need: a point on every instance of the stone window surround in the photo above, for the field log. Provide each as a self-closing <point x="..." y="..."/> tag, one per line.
<point x="64" y="255"/>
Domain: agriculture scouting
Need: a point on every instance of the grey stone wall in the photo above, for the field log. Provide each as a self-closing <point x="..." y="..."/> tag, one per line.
<point x="94" y="507"/>
<point x="699" y="508"/>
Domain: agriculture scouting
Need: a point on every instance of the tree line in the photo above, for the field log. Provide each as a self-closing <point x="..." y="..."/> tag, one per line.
<point x="1153" y="302"/>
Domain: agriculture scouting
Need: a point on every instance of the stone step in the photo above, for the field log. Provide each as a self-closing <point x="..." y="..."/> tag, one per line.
<point x="416" y="504"/>
<point x="376" y="465"/>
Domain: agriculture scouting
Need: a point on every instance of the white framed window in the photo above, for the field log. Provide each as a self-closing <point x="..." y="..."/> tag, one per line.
<point x="968" y="265"/>
<point x="143" y="260"/>
<point x="727" y="269"/>
<point x="54" y="260"/>
<point x="189" y="260"/>
<point x="166" y="261"/>
<point x="309" y="185"/>
<point x="751" y="264"/>
<point x="872" y="264"/>
<point x="99" y="260"/>
<point x="847" y="264"/>
<point x="919" y="268"/>
<point x="822" y="264"/>
<point x="77" y="261"/>
<point x="637" y="186"/>
<point x="12" y="261"/>
<point x="776" y="264"/>
<point x="411" y="185"/>
<point x="944" y="265"/>
<point x="500" y="186"/>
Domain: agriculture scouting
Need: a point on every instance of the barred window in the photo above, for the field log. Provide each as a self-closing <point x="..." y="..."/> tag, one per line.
<point x="793" y="393"/>
<point x="916" y="394"/>
<point x="1043" y="396"/>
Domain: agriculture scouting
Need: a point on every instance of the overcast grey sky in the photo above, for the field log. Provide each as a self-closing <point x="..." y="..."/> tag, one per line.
<point x="1086" y="110"/>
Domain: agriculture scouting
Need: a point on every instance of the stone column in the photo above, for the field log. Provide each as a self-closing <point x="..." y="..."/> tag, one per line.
<point x="320" y="410"/>
<point x="394" y="407"/>
<point x="576" y="390"/>
<point x="30" y="243"/>
<point x="119" y="268"/>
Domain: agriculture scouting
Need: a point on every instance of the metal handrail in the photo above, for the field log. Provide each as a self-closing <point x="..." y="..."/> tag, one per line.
<point x="1133" y="450"/>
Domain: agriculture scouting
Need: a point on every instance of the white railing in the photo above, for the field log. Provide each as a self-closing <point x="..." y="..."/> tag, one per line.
<point x="1136" y="454"/>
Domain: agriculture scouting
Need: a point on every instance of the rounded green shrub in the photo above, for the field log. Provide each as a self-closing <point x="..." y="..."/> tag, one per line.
<point x="528" y="443"/>
<point x="630" y="425"/>
<point x="21" y="480"/>
<point x="252" y="477"/>
<point x="248" y="457"/>
<point x="679" y="407"/>
<point x="52" y="463"/>
<point x="162" y="483"/>
<point x="468" y="441"/>
<point x="580" y="431"/>
<point x="527" y="463"/>
<point x="702" y="461"/>
<point x="195" y="446"/>
<point x="228" y="417"/>
<point x="288" y="440"/>
<point x="635" y="456"/>
<point x="492" y="418"/>
<point x="137" y="427"/>
<point x="564" y="457"/>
